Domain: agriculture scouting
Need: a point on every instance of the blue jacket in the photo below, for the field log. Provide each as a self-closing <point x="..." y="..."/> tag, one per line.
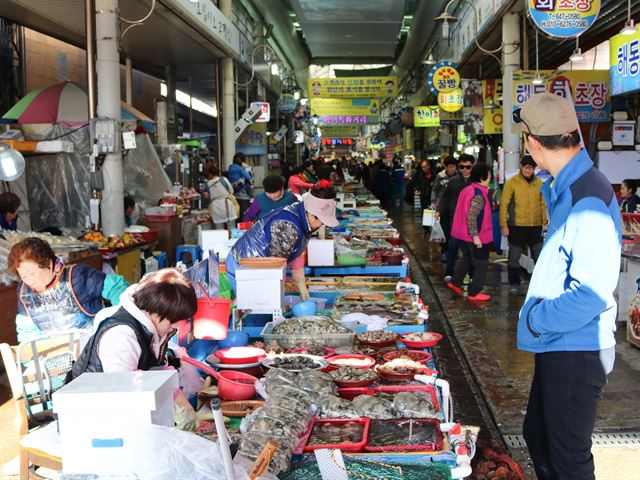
<point x="570" y="304"/>
<point x="237" y="172"/>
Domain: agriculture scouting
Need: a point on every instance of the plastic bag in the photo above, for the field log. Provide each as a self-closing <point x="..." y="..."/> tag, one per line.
<point x="437" y="234"/>
<point x="253" y="443"/>
<point x="373" y="407"/>
<point x="191" y="382"/>
<point x="315" y="382"/>
<point x="414" y="405"/>
<point x="331" y="406"/>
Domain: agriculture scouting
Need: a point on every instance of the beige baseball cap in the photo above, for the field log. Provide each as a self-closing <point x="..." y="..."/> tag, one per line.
<point x="545" y="114"/>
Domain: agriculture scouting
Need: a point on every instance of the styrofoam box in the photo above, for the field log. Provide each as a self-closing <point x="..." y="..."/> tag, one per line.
<point x="260" y="289"/>
<point x="98" y="414"/>
<point x="320" y="253"/>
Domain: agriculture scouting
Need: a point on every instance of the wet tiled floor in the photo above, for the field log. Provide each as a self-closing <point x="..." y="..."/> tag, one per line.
<point x="486" y="336"/>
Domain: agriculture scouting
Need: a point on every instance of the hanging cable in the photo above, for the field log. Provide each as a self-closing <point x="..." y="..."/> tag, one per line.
<point x="143" y="19"/>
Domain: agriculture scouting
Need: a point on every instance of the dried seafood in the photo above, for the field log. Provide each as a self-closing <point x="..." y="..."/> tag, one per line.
<point x="330" y="406"/>
<point x="373" y="407"/>
<point x="330" y="433"/>
<point x="414" y="405"/>
<point x="351" y="374"/>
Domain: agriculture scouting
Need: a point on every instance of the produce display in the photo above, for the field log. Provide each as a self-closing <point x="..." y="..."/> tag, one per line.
<point x="114" y="242"/>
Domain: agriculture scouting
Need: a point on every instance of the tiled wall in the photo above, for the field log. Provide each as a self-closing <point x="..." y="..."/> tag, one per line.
<point x="50" y="61"/>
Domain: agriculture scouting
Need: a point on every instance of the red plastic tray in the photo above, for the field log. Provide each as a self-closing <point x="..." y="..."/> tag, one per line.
<point x="431" y="447"/>
<point x="425" y="344"/>
<point x="345" y="447"/>
<point x="159" y="218"/>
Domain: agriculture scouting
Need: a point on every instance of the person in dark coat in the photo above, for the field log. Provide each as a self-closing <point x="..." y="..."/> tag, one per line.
<point x="383" y="183"/>
<point x="630" y="200"/>
<point x="447" y="207"/>
<point x="422" y="183"/>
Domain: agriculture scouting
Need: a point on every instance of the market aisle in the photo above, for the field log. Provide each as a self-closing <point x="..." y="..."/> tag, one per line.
<point x="486" y="333"/>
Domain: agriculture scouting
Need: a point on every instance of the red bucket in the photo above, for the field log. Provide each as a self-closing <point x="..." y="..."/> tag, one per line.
<point x="211" y="321"/>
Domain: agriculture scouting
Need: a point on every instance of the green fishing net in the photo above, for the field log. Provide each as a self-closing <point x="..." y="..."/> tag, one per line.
<point x="369" y="470"/>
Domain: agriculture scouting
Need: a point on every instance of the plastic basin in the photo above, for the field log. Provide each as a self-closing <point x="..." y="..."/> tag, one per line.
<point x="211" y="321"/>
<point x="305" y="308"/>
<point x="235" y="338"/>
<point x="234" y="385"/>
<point x="240" y="355"/>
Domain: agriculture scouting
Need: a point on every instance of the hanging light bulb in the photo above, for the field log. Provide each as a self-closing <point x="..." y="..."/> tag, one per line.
<point x="296" y="95"/>
<point x="577" y="56"/>
<point x="629" y="27"/>
<point x="275" y="70"/>
<point x="445" y="28"/>
<point x="11" y="163"/>
<point x="430" y="60"/>
<point x="538" y="80"/>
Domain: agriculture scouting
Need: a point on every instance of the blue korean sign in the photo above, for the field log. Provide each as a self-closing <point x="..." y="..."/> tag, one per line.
<point x="437" y="68"/>
<point x="625" y="63"/>
<point x="564" y="18"/>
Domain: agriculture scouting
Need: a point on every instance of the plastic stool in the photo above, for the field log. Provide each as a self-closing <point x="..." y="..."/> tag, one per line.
<point x="162" y="258"/>
<point x="194" y="250"/>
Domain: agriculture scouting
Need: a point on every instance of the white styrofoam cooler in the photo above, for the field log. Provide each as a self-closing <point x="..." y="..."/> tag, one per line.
<point x="98" y="414"/>
<point x="260" y="289"/>
<point x="320" y="253"/>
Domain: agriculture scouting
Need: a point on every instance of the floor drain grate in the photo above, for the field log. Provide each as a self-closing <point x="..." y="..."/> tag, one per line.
<point x="599" y="440"/>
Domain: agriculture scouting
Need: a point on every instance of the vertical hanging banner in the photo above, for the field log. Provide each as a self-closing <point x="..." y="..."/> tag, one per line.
<point x="624" y="63"/>
<point x="589" y="89"/>
<point x="564" y="18"/>
<point x="473" y="114"/>
<point x="492" y="97"/>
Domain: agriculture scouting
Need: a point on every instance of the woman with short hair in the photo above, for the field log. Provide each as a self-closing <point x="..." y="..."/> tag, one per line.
<point x="9" y="206"/>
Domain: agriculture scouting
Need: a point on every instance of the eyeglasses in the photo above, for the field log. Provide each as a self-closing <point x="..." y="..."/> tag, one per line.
<point x="464" y="167"/>
<point x="517" y="118"/>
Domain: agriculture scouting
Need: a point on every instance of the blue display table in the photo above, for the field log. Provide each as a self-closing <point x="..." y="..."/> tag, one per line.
<point x="368" y="270"/>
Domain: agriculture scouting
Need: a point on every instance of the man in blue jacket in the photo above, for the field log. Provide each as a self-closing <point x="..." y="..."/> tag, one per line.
<point x="568" y="318"/>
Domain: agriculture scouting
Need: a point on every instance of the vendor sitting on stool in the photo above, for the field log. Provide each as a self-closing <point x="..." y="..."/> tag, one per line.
<point x="285" y="234"/>
<point x="9" y="205"/>
<point x="273" y="198"/>
<point x="54" y="297"/>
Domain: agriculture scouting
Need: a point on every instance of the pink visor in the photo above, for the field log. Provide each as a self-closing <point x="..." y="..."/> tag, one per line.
<point x="324" y="209"/>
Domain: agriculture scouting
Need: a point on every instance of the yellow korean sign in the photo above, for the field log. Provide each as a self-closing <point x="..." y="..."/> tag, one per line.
<point x="624" y="63"/>
<point x="353" y="87"/>
<point x="589" y="90"/>
<point x="340" y="131"/>
<point x="492" y="96"/>
<point x="344" y="106"/>
<point x="446" y="79"/>
<point x="451" y="101"/>
<point x="426" y="116"/>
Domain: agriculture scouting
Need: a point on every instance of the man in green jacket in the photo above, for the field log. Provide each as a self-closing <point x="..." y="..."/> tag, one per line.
<point x="523" y="213"/>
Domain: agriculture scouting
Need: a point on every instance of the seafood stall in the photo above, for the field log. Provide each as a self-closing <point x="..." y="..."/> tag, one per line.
<point x="629" y="281"/>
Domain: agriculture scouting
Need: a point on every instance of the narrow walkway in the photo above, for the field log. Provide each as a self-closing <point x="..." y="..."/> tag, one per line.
<point x="486" y="336"/>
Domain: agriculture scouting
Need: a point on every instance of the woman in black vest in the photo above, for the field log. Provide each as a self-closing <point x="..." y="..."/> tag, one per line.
<point x="136" y="336"/>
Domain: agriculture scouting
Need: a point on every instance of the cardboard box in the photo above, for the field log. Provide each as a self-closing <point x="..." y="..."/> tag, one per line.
<point x="320" y="253"/>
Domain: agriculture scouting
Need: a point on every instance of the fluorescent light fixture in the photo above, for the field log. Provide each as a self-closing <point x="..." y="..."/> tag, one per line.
<point x="577" y="55"/>
<point x="304" y="101"/>
<point x="275" y="70"/>
<point x="197" y="104"/>
<point x="629" y="28"/>
<point x="538" y="80"/>
<point x="296" y="95"/>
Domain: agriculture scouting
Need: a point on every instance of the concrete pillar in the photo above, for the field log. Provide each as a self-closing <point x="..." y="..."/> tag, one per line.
<point x="228" y="98"/>
<point x="172" y="117"/>
<point x="108" y="74"/>
<point x="128" y="81"/>
<point x="511" y="63"/>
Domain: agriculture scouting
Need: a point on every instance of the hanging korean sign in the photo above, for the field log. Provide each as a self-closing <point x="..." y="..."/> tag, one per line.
<point x="445" y="75"/>
<point x="589" y="90"/>
<point x="451" y="101"/>
<point x="287" y="104"/>
<point x="564" y="18"/>
<point x="354" y="87"/>
<point x="427" y="116"/>
<point x="473" y="114"/>
<point x="625" y="63"/>
<point x="348" y="119"/>
<point x="265" y="111"/>
<point x="492" y="97"/>
<point x="344" y="106"/>
<point x="341" y="131"/>
<point x="446" y="79"/>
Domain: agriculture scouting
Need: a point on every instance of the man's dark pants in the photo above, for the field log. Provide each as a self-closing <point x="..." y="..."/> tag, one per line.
<point x="519" y="239"/>
<point x="561" y="412"/>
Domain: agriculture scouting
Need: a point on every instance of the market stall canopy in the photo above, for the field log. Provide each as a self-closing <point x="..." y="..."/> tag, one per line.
<point x="65" y="104"/>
